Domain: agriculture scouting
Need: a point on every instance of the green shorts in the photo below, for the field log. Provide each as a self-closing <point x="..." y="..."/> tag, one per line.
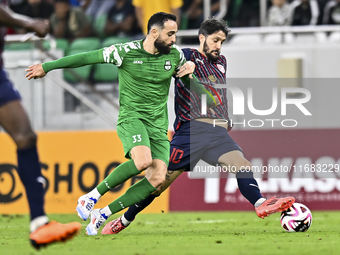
<point x="135" y="132"/>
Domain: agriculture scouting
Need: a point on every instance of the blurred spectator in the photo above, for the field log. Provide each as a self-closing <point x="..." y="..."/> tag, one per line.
<point x="96" y="8"/>
<point x="146" y="8"/>
<point x="331" y="15"/>
<point x="304" y="12"/>
<point x="38" y="9"/>
<point x="279" y="13"/>
<point x="76" y="3"/>
<point x="192" y="16"/>
<point x="193" y="11"/>
<point x="322" y="4"/>
<point x="248" y="13"/>
<point x="17" y="5"/>
<point x="69" y="22"/>
<point x="121" y="19"/>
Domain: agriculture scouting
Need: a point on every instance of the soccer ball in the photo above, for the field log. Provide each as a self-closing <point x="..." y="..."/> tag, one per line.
<point x="297" y="218"/>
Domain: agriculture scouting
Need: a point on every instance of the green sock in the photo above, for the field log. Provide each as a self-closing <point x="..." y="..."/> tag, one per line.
<point x="136" y="193"/>
<point x="122" y="173"/>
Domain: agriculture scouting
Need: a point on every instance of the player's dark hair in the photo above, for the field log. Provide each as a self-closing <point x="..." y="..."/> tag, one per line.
<point x="212" y="25"/>
<point x="159" y="19"/>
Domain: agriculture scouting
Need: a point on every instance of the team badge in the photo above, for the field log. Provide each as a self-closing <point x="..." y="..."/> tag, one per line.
<point x="167" y="65"/>
<point x="221" y="68"/>
<point x="212" y="78"/>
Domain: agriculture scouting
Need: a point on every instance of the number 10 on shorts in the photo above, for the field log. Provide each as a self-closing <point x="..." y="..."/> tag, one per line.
<point x="136" y="138"/>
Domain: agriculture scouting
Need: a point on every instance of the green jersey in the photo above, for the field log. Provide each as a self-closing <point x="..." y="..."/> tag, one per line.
<point x="144" y="78"/>
<point x="144" y="81"/>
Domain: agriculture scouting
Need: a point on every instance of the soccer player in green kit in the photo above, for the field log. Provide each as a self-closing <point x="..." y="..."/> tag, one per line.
<point x="145" y="71"/>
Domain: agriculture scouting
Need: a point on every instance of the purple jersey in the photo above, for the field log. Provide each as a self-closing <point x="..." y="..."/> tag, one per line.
<point x="187" y="102"/>
<point x="2" y="37"/>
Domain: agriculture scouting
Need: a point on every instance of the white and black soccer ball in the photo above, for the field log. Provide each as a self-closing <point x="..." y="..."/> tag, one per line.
<point x="297" y="218"/>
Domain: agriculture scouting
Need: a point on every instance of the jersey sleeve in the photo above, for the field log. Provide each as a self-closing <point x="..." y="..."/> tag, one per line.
<point x="187" y="53"/>
<point x="115" y="53"/>
<point x="226" y="64"/>
<point x="181" y="60"/>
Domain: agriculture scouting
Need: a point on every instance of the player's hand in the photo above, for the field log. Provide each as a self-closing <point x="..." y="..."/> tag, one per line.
<point x="36" y="71"/>
<point x="187" y="68"/>
<point x="40" y="27"/>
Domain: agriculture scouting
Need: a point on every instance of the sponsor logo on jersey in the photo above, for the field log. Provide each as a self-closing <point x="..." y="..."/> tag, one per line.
<point x="221" y="68"/>
<point x="111" y="48"/>
<point x="138" y="62"/>
<point x="167" y="65"/>
<point x="212" y="78"/>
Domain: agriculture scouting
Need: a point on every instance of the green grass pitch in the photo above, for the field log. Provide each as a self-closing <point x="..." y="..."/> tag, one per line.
<point x="185" y="233"/>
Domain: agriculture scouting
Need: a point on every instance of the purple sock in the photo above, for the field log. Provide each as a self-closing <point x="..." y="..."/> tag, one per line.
<point x="29" y="170"/>
<point x="248" y="185"/>
<point x="133" y="210"/>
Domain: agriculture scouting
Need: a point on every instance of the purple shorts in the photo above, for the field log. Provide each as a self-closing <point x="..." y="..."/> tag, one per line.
<point x="197" y="140"/>
<point x="7" y="91"/>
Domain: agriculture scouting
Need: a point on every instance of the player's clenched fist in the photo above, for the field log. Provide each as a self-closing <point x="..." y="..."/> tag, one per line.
<point x="41" y="27"/>
<point x="36" y="71"/>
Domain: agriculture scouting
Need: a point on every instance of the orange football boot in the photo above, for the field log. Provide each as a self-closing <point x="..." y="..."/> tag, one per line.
<point x="53" y="232"/>
<point x="273" y="205"/>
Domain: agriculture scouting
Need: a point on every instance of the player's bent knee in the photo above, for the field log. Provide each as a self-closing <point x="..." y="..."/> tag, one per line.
<point x="25" y="140"/>
<point x="157" y="181"/>
<point x="141" y="165"/>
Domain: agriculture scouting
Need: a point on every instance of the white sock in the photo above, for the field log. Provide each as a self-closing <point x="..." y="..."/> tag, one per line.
<point x="260" y="201"/>
<point x="125" y="222"/>
<point x="94" y="194"/>
<point x="38" y="222"/>
<point x="106" y="211"/>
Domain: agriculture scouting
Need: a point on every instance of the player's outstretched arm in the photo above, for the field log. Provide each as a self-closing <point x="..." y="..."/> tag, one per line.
<point x="12" y="19"/>
<point x="73" y="61"/>
<point x="195" y="85"/>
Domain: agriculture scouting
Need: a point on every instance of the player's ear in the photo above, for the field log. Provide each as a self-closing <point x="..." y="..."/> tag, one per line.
<point x="154" y="32"/>
<point x="201" y="38"/>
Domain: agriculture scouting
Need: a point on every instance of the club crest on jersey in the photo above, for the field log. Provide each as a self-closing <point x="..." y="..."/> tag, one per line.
<point x="167" y="65"/>
<point x="212" y="78"/>
<point x="221" y="68"/>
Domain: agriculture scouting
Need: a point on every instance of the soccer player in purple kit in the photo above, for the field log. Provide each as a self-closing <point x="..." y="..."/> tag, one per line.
<point x="14" y="119"/>
<point x="217" y="147"/>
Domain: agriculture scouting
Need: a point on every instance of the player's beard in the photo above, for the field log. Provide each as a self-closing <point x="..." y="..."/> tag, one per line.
<point x="162" y="47"/>
<point x="209" y="52"/>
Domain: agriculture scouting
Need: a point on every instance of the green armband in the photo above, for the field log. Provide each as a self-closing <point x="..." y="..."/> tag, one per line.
<point x="198" y="88"/>
<point x="77" y="60"/>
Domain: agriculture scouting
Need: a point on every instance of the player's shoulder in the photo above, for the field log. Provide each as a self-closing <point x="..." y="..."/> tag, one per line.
<point x="175" y="48"/>
<point x="133" y="45"/>
<point x="223" y="58"/>
<point x="123" y="49"/>
<point x="186" y="52"/>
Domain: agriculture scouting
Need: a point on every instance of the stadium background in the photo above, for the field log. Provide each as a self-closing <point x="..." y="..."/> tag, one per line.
<point x="78" y="148"/>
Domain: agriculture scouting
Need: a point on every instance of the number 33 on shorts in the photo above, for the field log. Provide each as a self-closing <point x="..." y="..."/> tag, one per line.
<point x="136" y="138"/>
